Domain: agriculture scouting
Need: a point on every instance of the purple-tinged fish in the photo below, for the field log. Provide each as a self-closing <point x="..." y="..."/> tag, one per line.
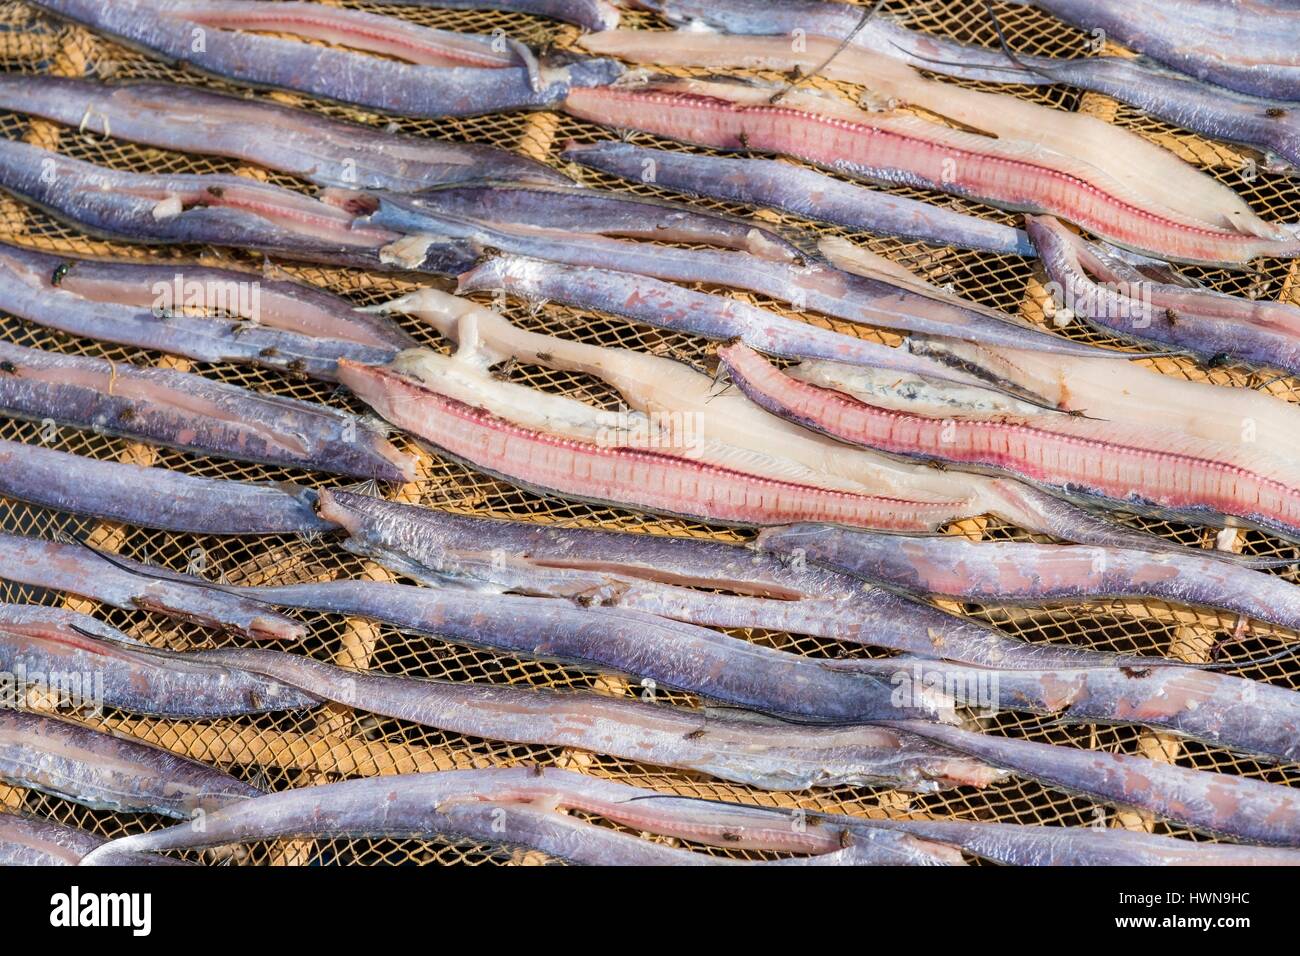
<point x="122" y="583"/>
<point x="596" y="212"/>
<point x="803" y="192"/>
<point x="1015" y="845"/>
<point x="1022" y="572"/>
<point x="418" y="72"/>
<point x="182" y="410"/>
<point x="664" y="305"/>
<point x="120" y="672"/>
<point x="27" y="841"/>
<point x="1248" y="47"/>
<point x="1241" y="807"/>
<point x="700" y="582"/>
<point x="321" y="150"/>
<point x="154" y="497"/>
<point x="1244" y="715"/>
<point x="109" y="772"/>
<point x="214" y="209"/>
<point x="591" y="14"/>
<point x="767" y="754"/>
<point x="815" y="285"/>
<point x="209" y="315"/>
<point x="1089" y="283"/>
<point x="519" y="807"/>
<point x="659" y="652"/>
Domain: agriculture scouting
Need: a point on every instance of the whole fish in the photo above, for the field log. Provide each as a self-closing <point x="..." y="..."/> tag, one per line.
<point x="27" y="841"/>
<point x="770" y="755"/>
<point x="653" y="384"/>
<point x="700" y="582"/>
<point x="663" y="652"/>
<point x="518" y="807"/>
<point x="122" y="583"/>
<point x="209" y="315"/>
<point x="1127" y="466"/>
<point x="129" y="675"/>
<point x="153" y="497"/>
<point x="1245" y="47"/>
<point x="558" y="445"/>
<point x="664" y="305"/>
<point x="1024" y="572"/>
<point x="182" y="410"/>
<point x="1224" y="711"/>
<point x="1242" y="807"/>
<point x="803" y="192"/>
<point x="217" y="209"/>
<point x="108" y="772"/>
<point x="1016" y="845"/>
<point x="328" y="152"/>
<point x="591" y="211"/>
<point x="1111" y="295"/>
<point x="902" y="149"/>
<point x="814" y="286"/>
<point x="1101" y="155"/>
<point x="592" y="14"/>
<point x="1269" y="124"/>
<point x="419" y="72"/>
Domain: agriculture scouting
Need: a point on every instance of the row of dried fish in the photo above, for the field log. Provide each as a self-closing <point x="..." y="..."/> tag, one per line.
<point x="142" y="778"/>
<point x="632" y="606"/>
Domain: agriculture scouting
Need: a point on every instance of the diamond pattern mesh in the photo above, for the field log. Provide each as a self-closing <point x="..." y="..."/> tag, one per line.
<point x="332" y="742"/>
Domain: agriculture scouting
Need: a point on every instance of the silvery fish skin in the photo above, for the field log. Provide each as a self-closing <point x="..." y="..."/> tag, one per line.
<point x="211" y="209"/>
<point x="462" y="804"/>
<point x="1022" y="572"/>
<point x="678" y="578"/>
<point x="1111" y="295"/>
<point x="182" y="410"/>
<point x="27" y="841"/>
<point x="665" y="653"/>
<point x="719" y="318"/>
<point x="1015" y="845"/>
<point x="598" y="212"/>
<point x="1243" y="715"/>
<point x="412" y="85"/>
<point x="1248" y="47"/>
<point x="108" y="772"/>
<point x="815" y="285"/>
<point x="804" y="192"/>
<point x="1242" y="807"/>
<point x="591" y="14"/>
<point x="771" y="755"/>
<point x="131" y="676"/>
<point x="154" y="497"/>
<point x="1268" y="124"/>
<point x="321" y="150"/>
<point x="122" y="583"/>
<point x="209" y="315"/>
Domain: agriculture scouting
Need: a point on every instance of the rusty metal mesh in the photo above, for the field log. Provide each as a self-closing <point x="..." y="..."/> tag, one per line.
<point x="334" y="742"/>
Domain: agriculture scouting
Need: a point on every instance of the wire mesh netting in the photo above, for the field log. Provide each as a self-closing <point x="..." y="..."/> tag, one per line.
<point x="334" y="742"/>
